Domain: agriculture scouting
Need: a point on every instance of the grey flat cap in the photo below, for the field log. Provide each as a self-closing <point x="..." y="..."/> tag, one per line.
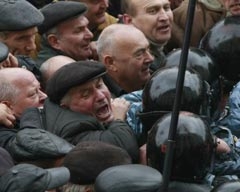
<point x="60" y="11"/>
<point x="17" y="15"/>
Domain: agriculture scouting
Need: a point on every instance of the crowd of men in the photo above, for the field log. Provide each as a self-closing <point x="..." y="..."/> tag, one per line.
<point x="88" y="87"/>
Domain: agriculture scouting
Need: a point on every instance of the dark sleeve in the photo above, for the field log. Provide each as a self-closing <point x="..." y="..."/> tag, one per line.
<point x="7" y="135"/>
<point x="125" y="137"/>
<point x="29" y="64"/>
<point x="117" y="133"/>
<point x="75" y="128"/>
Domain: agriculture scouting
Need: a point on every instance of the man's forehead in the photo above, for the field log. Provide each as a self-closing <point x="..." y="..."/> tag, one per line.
<point x="148" y="2"/>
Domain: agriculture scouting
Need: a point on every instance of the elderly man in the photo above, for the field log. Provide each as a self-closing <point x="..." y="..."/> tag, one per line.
<point x="97" y="16"/>
<point x="65" y="32"/>
<point x="154" y="18"/>
<point x="50" y="66"/>
<point x="18" y="29"/>
<point x="124" y="50"/>
<point x="80" y="108"/>
<point x="19" y="91"/>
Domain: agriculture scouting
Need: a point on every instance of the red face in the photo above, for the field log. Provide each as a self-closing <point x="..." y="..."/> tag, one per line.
<point x="92" y="98"/>
<point x="158" y="16"/>
<point x="29" y="93"/>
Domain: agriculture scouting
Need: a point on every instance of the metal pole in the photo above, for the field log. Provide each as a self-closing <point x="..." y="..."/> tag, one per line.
<point x="179" y="87"/>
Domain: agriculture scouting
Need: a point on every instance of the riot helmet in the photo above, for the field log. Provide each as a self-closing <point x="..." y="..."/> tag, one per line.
<point x="222" y="43"/>
<point x="159" y="95"/>
<point x="205" y="65"/>
<point x="194" y="147"/>
<point x="198" y="60"/>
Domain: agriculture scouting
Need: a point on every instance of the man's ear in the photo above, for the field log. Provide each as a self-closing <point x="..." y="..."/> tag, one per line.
<point x="109" y="63"/>
<point x="126" y="19"/>
<point x="53" y="41"/>
<point x="8" y="104"/>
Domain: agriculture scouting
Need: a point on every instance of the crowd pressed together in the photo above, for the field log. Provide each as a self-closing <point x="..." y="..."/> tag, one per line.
<point x="87" y="89"/>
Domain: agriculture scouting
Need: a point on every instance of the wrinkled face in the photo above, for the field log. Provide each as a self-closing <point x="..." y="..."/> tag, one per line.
<point x="74" y="38"/>
<point x="154" y="18"/>
<point x="21" y="42"/>
<point x="233" y="6"/>
<point x="133" y="60"/>
<point x="29" y="95"/>
<point x="92" y="98"/>
<point x="96" y="12"/>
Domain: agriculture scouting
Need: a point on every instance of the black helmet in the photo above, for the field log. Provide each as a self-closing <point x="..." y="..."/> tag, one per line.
<point x="159" y="94"/>
<point x="233" y="186"/>
<point x="193" y="148"/>
<point x="198" y="59"/>
<point x="205" y="65"/>
<point x="222" y="43"/>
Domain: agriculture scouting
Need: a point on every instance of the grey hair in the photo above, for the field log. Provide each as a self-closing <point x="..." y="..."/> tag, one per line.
<point x="9" y="92"/>
<point x="105" y="43"/>
<point x="53" y="31"/>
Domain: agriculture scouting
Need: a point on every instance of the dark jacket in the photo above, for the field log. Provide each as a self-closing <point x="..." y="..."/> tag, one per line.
<point x="29" y="64"/>
<point x="7" y="135"/>
<point x="46" y="52"/>
<point x="26" y="141"/>
<point x="114" y="88"/>
<point x="76" y="127"/>
<point x="205" y="17"/>
<point x="159" y="57"/>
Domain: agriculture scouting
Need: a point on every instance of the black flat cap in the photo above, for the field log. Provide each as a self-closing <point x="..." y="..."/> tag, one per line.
<point x="128" y="178"/>
<point x="17" y="15"/>
<point x="37" y="144"/>
<point x="57" y="12"/>
<point x="3" y="52"/>
<point x="72" y="75"/>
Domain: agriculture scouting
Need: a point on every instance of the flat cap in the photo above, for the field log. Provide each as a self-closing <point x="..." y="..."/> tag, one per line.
<point x="3" y="52"/>
<point x="26" y="177"/>
<point x="71" y="75"/>
<point x="37" y="144"/>
<point x="17" y="15"/>
<point x="57" y="12"/>
<point x="128" y="178"/>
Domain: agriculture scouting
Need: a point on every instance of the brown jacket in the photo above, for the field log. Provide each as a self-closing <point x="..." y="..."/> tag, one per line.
<point x="205" y="17"/>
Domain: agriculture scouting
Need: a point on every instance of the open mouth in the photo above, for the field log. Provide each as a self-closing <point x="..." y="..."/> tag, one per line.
<point x="103" y="112"/>
<point x="164" y="28"/>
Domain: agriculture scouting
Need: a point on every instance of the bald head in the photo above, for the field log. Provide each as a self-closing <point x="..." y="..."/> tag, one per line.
<point x="115" y="36"/>
<point x="19" y="90"/>
<point x="14" y="74"/>
<point x="8" y="86"/>
<point x="50" y="66"/>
